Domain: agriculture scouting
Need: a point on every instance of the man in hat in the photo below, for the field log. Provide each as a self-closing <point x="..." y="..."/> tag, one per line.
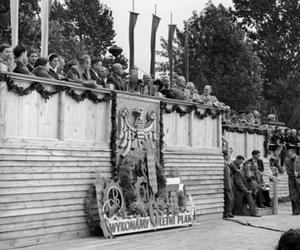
<point x="292" y="165"/>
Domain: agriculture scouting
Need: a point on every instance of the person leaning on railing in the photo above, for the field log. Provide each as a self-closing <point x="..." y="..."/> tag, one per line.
<point x="7" y="63"/>
<point x="81" y="72"/>
<point x="41" y="68"/>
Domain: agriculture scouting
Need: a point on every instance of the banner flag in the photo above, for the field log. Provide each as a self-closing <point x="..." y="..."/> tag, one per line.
<point x="14" y="20"/>
<point x="132" y="21"/>
<point x="172" y="28"/>
<point x="45" y="13"/>
<point x="155" y="23"/>
<point x="186" y="55"/>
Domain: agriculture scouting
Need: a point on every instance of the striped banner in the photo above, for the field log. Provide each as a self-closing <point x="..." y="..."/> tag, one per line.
<point x="155" y="23"/>
<point x="132" y="22"/>
<point x="172" y="28"/>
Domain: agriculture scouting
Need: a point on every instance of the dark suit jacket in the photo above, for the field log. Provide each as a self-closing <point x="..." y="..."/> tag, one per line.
<point x="260" y="164"/>
<point x="294" y="187"/>
<point x="29" y="67"/>
<point x="116" y="81"/>
<point x="228" y="177"/>
<point x="21" y="68"/>
<point x="41" y="71"/>
<point x="94" y="76"/>
<point x="53" y="74"/>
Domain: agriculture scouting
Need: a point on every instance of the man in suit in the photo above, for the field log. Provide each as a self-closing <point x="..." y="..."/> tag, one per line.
<point x="95" y="71"/>
<point x="54" y="64"/>
<point x="32" y="57"/>
<point x="116" y="77"/>
<point x="21" y="60"/>
<point x="256" y="160"/>
<point x="242" y="188"/>
<point x="262" y="196"/>
<point x="292" y="165"/>
<point x="228" y="186"/>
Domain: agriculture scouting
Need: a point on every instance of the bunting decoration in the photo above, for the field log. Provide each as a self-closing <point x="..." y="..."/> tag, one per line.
<point x="172" y="28"/>
<point x="132" y="22"/>
<point x="155" y="23"/>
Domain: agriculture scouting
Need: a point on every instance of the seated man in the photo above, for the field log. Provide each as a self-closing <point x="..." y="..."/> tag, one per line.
<point x="242" y="188"/>
<point x="262" y="196"/>
<point x="256" y="160"/>
<point x="32" y="57"/>
<point x="81" y="72"/>
<point x="165" y="85"/>
<point x="115" y="78"/>
<point x="41" y="68"/>
<point x="21" y="60"/>
<point x="257" y="119"/>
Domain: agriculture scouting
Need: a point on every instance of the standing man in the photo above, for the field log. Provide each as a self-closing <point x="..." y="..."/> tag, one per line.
<point x="32" y="57"/>
<point x="228" y="186"/>
<point x="21" y="60"/>
<point x="54" y="64"/>
<point x="292" y="164"/>
<point x="242" y="188"/>
<point x="116" y="77"/>
<point x="256" y="160"/>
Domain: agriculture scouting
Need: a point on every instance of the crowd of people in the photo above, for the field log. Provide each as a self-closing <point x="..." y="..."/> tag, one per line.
<point x="91" y="73"/>
<point x="245" y="188"/>
<point x="244" y="185"/>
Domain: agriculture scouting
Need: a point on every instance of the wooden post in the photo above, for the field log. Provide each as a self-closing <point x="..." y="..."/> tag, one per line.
<point x="61" y="116"/>
<point x="191" y="132"/>
<point x="275" y="195"/>
<point x="3" y="98"/>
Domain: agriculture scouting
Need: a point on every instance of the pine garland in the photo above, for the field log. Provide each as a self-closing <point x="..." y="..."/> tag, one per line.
<point x="161" y="136"/>
<point x="113" y="136"/>
<point x="46" y="94"/>
<point x="214" y="113"/>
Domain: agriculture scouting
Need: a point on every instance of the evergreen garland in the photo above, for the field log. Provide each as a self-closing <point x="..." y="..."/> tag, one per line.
<point x="161" y="136"/>
<point x="214" y="113"/>
<point x="113" y="136"/>
<point x="46" y="94"/>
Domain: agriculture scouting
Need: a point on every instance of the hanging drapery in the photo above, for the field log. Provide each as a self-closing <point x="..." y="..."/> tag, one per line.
<point x="186" y="54"/>
<point x="172" y="28"/>
<point x="132" y="21"/>
<point x="155" y="23"/>
<point x="45" y="12"/>
<point x="14" y="20"/>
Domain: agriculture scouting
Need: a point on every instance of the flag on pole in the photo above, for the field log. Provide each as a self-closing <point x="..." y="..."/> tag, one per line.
<point x="186" y="54"/>
<point x="45" y="13"/>
<point x="132" y="21"/>
<point x="14" y="20"/>
<point x="172" y="28"/>
<point x="155" y="23"/>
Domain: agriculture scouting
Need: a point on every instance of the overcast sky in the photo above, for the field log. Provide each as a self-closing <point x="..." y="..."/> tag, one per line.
<point x="181" y="9"/>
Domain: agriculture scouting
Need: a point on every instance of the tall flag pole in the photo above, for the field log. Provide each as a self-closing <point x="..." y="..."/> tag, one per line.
<point x="14" y="20"/>
<point x="186" y="53"/>
<point x="172" y="28"/>
<point x="132" y="22"/>
<point x="45" y="13"/>
<point x="155" y="23"/>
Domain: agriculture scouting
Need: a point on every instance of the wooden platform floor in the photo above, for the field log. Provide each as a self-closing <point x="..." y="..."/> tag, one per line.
<point x="210" y="235"/>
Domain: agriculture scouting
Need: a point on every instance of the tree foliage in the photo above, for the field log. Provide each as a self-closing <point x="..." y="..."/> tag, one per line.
<point x="220" y="55"/>
<point x="274" y="28"/>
